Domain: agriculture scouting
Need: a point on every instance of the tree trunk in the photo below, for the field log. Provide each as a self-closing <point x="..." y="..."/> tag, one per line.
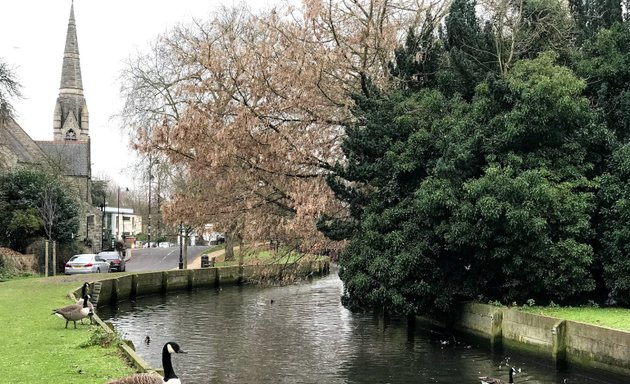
<point x="241" y="251"/>
<point x="229" y="246"/>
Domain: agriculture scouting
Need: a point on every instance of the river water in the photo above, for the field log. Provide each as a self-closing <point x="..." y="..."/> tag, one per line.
<point x="302" y="334"/>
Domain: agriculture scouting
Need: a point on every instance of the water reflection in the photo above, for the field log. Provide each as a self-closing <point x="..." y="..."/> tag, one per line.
<point x="302" y="334"/>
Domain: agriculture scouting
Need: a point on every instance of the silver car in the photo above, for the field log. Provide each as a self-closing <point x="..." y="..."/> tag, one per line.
<point x="86" y="263"/>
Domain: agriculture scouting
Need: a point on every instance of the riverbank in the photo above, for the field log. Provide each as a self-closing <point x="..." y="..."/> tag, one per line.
<point x="557" y="339"/>
<point x="615" y="318"/>
<point x="37" y="348"/>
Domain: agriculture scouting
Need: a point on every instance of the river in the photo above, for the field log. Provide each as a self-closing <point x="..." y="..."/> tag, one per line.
<point x="302" y="334"/>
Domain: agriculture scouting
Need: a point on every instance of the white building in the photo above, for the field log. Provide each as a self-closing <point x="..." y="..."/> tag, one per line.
<point x="119" y="222"/>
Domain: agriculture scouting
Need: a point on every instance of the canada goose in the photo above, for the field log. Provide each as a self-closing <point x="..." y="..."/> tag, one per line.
<point x="491" y="380"/>
<point x="84" y="291"/>
<point x="74" y="312"/>
<point x="153" y="378"/>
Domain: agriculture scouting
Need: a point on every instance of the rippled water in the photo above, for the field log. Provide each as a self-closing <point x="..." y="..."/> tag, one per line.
<point x="238" y="335"/>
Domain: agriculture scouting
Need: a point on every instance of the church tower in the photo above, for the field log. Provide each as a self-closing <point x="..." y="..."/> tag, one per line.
<point x="71" y="118"/>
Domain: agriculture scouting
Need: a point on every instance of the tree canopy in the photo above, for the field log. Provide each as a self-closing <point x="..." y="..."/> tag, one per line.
<point x="458" y="150"/>
<point x="34" y="204"/>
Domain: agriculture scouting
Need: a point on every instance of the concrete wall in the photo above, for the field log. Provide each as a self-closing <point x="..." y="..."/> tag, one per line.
<point x="602" y="347"/>
<point x="130" y="286"/>
<point x="481" y="320"/>
<point x="560" y="340"/>
<point x="529" y="331"/>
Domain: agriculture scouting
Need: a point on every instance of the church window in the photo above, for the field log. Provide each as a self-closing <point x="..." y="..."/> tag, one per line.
<point x="70" y="135"/>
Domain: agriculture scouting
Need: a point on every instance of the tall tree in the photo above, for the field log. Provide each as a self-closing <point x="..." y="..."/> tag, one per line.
<point x="457" y="200"/>
<point x="36" y="204"/>
<point x="262" y="123"/>
<point x="592" y="15"/>
<point x="506" y="32"/>
<point x="604" y="61"/>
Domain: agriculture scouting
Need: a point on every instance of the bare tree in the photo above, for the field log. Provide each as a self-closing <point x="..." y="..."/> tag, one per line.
<point x="9" y="88"/>
<point x="49" y="211"/>
<point x="526" y="27"/>
<point x="261" y="101"/>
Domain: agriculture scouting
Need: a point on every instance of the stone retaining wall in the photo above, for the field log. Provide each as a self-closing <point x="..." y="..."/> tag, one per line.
<point x="560" y="340"/>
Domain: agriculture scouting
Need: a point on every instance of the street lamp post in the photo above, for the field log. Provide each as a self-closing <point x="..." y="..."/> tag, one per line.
<point x="149" y="225"/>
<point x="118" y="218"/>
<point x="102" y="206"/>
<point x="181" y="242"/>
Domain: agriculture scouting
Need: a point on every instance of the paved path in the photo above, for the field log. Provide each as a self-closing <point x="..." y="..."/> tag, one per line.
<point x="161" y="259"/>
<point x="196" y="261"/>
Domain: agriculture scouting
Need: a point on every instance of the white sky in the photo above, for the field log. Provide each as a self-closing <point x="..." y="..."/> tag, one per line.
<point x="32" y="40"/>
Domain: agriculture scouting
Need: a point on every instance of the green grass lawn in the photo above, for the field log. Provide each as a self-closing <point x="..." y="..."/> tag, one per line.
<point x="617" y="318"/>
<point x="36" y="348"/>
<point x="263" y="257"/>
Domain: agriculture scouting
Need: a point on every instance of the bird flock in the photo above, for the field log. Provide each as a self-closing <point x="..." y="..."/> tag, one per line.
<point x="84" y="308"/>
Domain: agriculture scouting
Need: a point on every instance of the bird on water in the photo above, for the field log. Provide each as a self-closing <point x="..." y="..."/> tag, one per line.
<point x="153" y="378"/>
<point x="492" y="380"/>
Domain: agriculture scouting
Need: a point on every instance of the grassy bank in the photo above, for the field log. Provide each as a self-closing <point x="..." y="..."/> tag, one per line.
<point x="260" y="257"/>
<point x="36" y="347"/>
<point x="617" y="318"/>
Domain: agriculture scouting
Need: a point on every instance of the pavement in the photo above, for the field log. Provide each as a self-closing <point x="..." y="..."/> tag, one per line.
<point x="196" y="261"/>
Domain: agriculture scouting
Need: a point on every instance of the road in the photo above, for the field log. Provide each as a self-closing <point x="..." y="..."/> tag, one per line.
<point x="159" y="259"/>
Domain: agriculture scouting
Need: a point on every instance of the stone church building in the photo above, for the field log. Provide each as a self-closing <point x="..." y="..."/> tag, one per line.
<point x="68" y="153"/>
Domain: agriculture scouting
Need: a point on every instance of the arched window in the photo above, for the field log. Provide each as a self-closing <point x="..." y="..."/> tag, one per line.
<point x="70" y="135"/>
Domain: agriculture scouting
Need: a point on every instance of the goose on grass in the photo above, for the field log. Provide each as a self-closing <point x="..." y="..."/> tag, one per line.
<point x="84" y="291"/>
<point x="492" y="380"/>
<point x="153" y="378"/>
<point x="74" y="312"/>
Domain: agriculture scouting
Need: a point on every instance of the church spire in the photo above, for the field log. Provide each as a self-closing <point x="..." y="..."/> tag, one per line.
<point x="71" y="119"/>
<point x="71" y="70"/>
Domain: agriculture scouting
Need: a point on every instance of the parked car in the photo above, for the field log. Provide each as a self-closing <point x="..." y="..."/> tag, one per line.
<point x="86" y="263"/>
<point x="166" y="244"/>
<point x="116" y="263"/>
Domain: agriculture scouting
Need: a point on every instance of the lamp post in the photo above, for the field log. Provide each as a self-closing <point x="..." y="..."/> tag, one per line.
<point x="181" y="242"/>
<point x="118" y="218"/>
<point x="150" y="178"/>
<point x="102" y="206"/>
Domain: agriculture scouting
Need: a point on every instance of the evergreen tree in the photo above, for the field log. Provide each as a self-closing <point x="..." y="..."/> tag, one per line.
<point x="418" y="63"/>
<point x="24" y="193"/>
<point x="465" y="199"/>
<point x="469" y="46"/>
<point x="592" y="15"/>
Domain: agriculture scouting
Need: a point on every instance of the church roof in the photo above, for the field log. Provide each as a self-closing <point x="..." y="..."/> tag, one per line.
<point x="71" y="69"/>
<point x="73" y="157"/>
<point x="14" y="139"/>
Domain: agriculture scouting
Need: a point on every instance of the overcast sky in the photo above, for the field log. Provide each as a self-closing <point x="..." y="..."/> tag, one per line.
<point x="32" y="39"/>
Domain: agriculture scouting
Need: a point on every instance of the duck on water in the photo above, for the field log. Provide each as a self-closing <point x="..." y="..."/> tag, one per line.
<point x="492" y="380"/>
<point x="153" y="378"/>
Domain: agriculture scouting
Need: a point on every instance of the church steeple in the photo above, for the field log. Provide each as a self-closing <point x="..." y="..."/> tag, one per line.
<point x="71" y="118"/>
